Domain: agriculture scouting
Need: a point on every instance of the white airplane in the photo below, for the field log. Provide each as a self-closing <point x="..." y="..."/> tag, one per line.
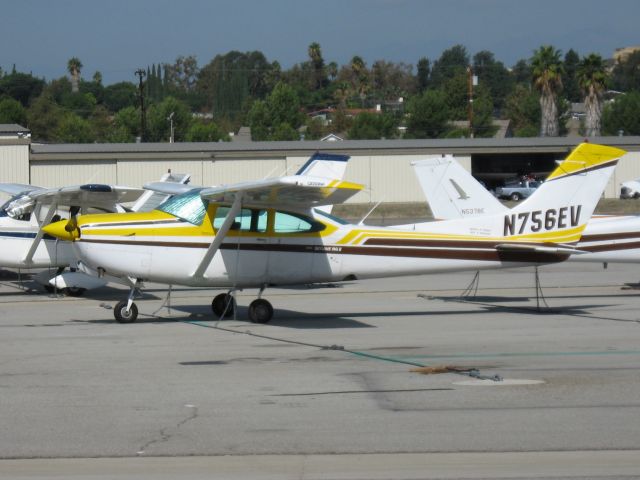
<point x="23" y="245"/>
<point x="265" y="233"/>
<point x="452" y="193"/>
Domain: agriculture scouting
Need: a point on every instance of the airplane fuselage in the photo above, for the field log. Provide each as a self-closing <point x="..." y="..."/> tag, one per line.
<point x="17" y="236"/>
<point x="281" y="248"/>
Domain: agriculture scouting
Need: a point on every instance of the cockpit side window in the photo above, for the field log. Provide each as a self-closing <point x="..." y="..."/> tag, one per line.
<point x="285" y="222"/>
<point x="188" y="206"/>
<point x="247" y="220"/>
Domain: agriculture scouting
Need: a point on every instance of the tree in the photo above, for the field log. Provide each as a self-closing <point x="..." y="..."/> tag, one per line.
<point x="22" y="87"/>
<point x="547" y="72"/>
<point x="493" y="75"/>
<point x="424" y="71"/>
<point x="43" y="117"/>
<point x="623" y="115"/>
<point x="158" y="124"/>
<point x="278" y="117"/>
<point x="317" y="63"/>
<point x="522" y="108"/>
<point x="120" y="95"/>
<point x="205" y="132"/>
<point x="372" y="126"/>
<point x="592" y="78"/>
<point x="73" y="129"/>
<point x="390" y="81"/>
<point x="521" y="72"/>
<point x="570" y="81"/>
<point x="74" y="65"/>
<point x="182" y="74"/>
<point x="428" y="115"/>
<point x="452" y="62"/>
<point x="126" y="124"/>
<point x="12" y="111"/>
<point x="626" y="74"/>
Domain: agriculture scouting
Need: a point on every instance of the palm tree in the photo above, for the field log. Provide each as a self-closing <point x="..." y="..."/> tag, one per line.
<point x="317" y="62"/>
<point x="547" y="72"/>
<point x="74" y="65"/>
<point x="592" y="78"/>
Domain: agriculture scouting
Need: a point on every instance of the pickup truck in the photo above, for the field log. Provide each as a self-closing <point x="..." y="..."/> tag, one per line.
<point x="517" y="191"/>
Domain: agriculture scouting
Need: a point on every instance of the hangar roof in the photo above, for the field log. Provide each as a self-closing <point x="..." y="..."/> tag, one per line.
<point x="221" y="150"/>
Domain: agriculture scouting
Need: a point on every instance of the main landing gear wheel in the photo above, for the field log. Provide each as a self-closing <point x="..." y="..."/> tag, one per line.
<point x="260" y="311"/>
<point x="124" y="316"/>
<point x="223" y="304"/>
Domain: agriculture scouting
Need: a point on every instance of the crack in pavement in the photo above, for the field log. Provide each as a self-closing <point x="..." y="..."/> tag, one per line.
<point x="165" y="435"/>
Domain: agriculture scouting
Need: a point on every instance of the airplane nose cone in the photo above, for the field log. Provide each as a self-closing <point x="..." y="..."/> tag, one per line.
<point x="64" y="230"/>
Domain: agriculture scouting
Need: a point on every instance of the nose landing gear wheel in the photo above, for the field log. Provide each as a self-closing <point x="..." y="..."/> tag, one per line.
<point x="223" y="304"/>
<point x="260" y="311"/>
<point x="124" y="316"/>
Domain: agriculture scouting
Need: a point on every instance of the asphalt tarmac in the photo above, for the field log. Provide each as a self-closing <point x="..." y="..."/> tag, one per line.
<point x="326" y="390"/>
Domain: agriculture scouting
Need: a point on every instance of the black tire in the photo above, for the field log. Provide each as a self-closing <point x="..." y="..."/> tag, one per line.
<point x="223" y="304"/>
<point x="636" y="195"/>
<point x="260" y="311"/>
<point x="73" y="291"/>
<point x="121" y="314"/>
<point x="48" y="288"/>
<point x="515" y="196"/>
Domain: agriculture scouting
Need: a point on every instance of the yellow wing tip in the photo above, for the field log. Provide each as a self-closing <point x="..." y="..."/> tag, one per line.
<point x="586" y="155"/>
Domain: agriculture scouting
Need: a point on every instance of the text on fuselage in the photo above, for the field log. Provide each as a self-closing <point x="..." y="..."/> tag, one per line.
<point x="538" y="220"/>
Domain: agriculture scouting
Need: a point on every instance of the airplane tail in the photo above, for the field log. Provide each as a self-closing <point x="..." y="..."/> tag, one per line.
<point x="325" y="165"/>
<point x="451" y="191"/>
<point x="560" y="208"/>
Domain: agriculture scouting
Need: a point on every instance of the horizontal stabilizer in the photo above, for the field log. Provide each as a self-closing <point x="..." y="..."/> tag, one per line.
<point x="557" y="249"/>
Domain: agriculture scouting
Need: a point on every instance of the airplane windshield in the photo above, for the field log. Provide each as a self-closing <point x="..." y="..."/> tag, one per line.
<point x="188" y="206"/>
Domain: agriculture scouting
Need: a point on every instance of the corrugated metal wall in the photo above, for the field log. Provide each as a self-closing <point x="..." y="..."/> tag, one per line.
<point x="387" y="178"/>
<point x="59" y="173"/>
<point x="14" y="164"/>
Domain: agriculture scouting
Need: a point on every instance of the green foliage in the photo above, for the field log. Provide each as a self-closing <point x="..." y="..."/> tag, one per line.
<point x="43" y="118"/>
<point x="456" y="90"/>
<point x="570" y="79"/>
<point x="371" y="126"/>
<point x="73" y="129"/>
<point x="452" y="62"/>
<point x="158" y="124"/>
<point x="21" y="87"/>
<point x="522" y="108"/>
<point x="12" y="111"/>
<point x="428" y="115"/>
<point x="228" y="81"/>
<point x="494" y="76"/>
<point x="120" y="95"/>
<point x="622" y="115"/>
<point x="483" y="114"/>
<point x="205" y="132"/>
<point x="626" y="74"/>
<point x="521" y="72"/>
<point x="424" y="72"/>
<point x="284" y="132"/>
<point x="259" y="121"/>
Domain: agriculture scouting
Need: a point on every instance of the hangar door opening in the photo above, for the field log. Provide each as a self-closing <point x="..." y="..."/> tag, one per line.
<point x="496" y="169"/>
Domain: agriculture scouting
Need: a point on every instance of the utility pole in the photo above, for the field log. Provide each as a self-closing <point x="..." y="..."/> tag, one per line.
<point x="170" y="118"/>
<point x="143" y="117"/>
<point x="470" y="109"/>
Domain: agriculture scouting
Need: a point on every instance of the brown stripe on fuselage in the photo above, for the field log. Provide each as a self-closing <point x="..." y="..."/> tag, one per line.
<point x="451" y="254"/>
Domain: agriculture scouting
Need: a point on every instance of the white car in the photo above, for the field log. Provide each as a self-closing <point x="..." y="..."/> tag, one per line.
<point x="630" y="189"/>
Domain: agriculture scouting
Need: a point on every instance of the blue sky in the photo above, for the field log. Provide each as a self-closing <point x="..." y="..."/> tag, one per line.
<point x="118" y="36"/>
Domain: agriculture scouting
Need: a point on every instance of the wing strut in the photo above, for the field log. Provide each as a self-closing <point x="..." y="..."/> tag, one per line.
<point x="221" y="233"/>
<point x="40" y="234"/>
